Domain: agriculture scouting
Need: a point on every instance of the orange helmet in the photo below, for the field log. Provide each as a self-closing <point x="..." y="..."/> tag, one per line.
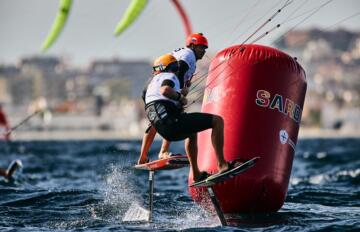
<point x="196" y="39"/>
<point x="164" y="63"/>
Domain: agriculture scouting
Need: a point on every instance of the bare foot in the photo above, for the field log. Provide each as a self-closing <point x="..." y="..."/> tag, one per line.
<point x="228" y="166"/>
<point x="201" y="176"/>
<point x="223" y="167"/>
<point x="165" y="155"/>
<point x="143" y="161"/>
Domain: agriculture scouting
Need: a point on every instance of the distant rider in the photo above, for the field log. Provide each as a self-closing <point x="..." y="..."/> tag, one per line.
<point x="7" y="173"/>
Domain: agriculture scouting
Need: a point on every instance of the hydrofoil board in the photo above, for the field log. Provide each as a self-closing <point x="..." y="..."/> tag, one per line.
<point x="173" y="162"/>
<point x="219" y="177"/>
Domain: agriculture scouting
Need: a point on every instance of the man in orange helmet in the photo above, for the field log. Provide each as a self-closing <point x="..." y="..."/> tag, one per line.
<point x="163" y="106"/>
<point x="196" y="45"/>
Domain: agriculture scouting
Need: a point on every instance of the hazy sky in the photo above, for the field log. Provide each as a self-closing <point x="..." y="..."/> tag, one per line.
<point x="88" y="33"/>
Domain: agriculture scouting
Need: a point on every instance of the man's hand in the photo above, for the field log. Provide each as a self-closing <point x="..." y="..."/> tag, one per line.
<point x="188" y="83"/>
<point x="184" y="91"/>
<point x="183" y="101"/>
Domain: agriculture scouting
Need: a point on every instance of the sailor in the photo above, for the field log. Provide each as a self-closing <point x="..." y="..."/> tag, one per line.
<point x="7" y="173"/>
<point x="163" y="106"/>
<point x="196" y="45"/>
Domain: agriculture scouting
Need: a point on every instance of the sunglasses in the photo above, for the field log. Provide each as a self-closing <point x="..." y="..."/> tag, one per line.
<point x="171" y="67"/>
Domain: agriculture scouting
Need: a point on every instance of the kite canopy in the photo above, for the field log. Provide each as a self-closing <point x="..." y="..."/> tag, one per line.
<point x="58" y="24"/>
<point x="184" y="17"/>
<point x="131" y="14"/>
<point x="137" y="6"/>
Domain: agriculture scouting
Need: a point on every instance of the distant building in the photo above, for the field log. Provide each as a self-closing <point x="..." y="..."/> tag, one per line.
<point x="7" y="74"/>
<point x="123" y="78"/>
<point x="43" y="63"/>
<point x="332" y="62"/>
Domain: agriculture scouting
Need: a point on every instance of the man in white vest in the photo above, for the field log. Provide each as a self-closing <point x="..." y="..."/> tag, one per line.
<point x="164" y="108"/>
<point x="196" y="45"/>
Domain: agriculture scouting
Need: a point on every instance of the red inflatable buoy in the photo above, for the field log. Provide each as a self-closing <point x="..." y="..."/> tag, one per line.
<point x="259" y="91"/>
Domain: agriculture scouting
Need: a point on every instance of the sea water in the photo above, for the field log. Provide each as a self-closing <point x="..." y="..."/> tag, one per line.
<point x="91" y="185"/>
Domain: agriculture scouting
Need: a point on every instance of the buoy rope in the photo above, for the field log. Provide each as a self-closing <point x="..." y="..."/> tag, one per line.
<point x="287" y="3"/>
<point x="256" y="22"/>
<point x="343" y="20"/>
<point x="27" y="118"/>
<point x="199" y="80"/>
<point x="245" y="16"/>
<point x="310" y="13"/>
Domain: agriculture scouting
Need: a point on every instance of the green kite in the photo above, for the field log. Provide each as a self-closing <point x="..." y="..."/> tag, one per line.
<point x="131" y="13"/>
<point x="58" y="24"/>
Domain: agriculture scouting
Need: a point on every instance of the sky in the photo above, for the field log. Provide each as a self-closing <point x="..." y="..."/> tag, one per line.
<point x="88" y="33"/>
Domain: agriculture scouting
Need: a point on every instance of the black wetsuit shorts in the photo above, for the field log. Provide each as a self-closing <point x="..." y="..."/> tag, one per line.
<point x="174" y="125"/>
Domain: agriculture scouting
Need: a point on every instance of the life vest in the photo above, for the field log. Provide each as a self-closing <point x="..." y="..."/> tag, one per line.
<point x="153" y="89"/>
<point x="188" y="56"/>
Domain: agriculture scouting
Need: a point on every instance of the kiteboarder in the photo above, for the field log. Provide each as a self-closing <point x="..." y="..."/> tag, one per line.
<point x="196" y="45"/>
<point x="163" y="105"/>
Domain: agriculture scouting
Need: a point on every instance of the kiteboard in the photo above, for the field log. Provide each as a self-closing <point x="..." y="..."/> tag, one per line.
<point x="219" y="177"/>
<point x="173" y="162"/>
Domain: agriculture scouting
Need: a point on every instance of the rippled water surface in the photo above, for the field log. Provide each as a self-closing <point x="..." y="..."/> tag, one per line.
<point x="90" y="185"/>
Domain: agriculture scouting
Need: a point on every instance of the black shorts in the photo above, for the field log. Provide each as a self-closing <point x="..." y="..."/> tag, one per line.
<point x="183" y="126"/>
<point x="173" y="124"/>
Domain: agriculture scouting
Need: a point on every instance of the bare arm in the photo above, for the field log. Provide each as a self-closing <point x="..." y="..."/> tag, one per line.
<point x="183" y="68"/>
<point x="169" y="92"/>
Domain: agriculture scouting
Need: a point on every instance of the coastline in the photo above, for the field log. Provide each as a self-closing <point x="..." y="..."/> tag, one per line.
<point x="304" y="133"/>
<point x="308" y="133"/>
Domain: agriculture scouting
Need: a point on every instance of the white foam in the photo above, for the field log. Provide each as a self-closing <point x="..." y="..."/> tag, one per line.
<point x="324" y="178"/>
<point x="352" y="173"/>
<point x="136" y="213"/>
<point x="119" y="195"/>
<point x="197" y="217"/>
<point x="321" y="155"/>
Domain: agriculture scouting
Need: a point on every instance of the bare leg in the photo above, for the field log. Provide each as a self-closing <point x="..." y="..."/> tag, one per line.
<point x="148" y="139"/>
<point x="164" y="151"/>
<point x="191" y="151"/>
<point x="217" y="139"/>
